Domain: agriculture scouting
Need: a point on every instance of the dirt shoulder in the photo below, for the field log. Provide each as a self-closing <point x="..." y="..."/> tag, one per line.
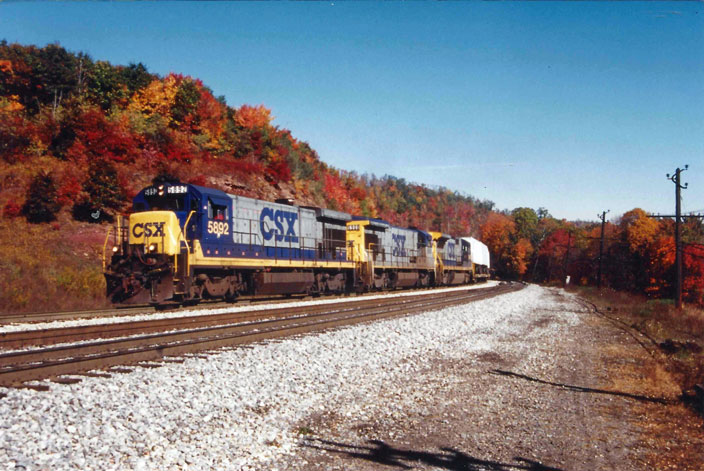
<point x="564" y="389"/>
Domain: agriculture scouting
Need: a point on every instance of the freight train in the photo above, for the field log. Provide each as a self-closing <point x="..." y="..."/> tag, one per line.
<point x="184" y="243"/>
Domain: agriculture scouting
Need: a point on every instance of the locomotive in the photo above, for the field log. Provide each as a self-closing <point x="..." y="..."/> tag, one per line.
<point x="185" y="243"/>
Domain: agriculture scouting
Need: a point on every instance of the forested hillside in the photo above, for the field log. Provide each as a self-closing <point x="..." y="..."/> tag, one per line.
<point x="79" y="137"/>
<point x="98" y="133"/>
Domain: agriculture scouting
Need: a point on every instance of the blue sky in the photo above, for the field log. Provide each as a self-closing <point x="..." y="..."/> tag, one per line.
<point x="576" y="107"/>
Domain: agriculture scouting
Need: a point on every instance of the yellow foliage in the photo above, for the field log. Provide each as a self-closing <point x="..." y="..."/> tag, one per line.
<point x="156" y="98"/>
<point x="641" y="231"/>
<point x="11" y="103"/>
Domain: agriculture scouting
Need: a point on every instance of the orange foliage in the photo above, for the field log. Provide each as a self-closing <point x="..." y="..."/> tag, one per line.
<point x="10" y="104"/>
<point x="211" y="114"/>
<point x="519" y="255"/>
<point x="6" y="66"/>
<point x="496" y="232"/>
<point x="253" y="116"/>
<point x="641" y="231"/>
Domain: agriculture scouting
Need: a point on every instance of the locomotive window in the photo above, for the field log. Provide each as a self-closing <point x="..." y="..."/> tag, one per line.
<point x="167" y="202"/>
<point x="217" y="211"/>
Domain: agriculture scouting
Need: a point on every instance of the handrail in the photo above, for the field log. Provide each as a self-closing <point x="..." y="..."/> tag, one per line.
<point x="107" y="237"/>
<point x="185" y="240"/>
<point x="183" y="230"/>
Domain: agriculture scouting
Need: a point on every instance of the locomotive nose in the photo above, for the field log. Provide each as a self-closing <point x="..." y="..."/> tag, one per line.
<point x="156" y="231"/>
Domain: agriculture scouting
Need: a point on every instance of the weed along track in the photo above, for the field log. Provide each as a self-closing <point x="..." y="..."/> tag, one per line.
<point x="153" y="340"/>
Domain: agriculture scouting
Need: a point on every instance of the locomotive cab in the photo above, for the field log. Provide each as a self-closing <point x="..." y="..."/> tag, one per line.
<point x="147" y="251"/>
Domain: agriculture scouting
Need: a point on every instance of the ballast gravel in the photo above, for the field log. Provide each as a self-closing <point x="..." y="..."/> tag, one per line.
<point x="311" y="402"/>
<point x="235" y="409"/>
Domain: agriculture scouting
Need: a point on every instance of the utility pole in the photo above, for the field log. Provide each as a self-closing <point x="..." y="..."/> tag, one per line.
<point x="678" y="242"/>
<point x="601" y="246"/>
<point x="567" y="256"/>
<point x="676" y="177"/>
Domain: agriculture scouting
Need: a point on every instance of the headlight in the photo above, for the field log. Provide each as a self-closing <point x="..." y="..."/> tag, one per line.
<point x="152" y="247"/>
<point x="115" y="249"/>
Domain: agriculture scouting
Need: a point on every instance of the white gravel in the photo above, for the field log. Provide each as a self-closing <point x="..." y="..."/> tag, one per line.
<point x="240" y="409"/>
<point x="154" y="315"/>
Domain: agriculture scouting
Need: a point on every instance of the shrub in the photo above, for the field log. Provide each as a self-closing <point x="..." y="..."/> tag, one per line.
<point x="41" y="204"/>
<point x="11" y="210"/>
<point x="103" y="194"/>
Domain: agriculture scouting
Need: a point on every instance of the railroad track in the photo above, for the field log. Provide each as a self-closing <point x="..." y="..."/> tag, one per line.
<point x="36" y="317"/>
<point x="205" y="333"/>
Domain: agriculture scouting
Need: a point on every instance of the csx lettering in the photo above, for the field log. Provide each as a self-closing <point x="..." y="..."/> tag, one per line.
<point x="268" y="216"/>
<point x="450" y="249"/>
<point x="148" y="229"/>
<point x="399" y="245"/>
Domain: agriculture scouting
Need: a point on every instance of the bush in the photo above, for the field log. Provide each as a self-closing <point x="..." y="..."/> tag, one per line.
<point x="11" y="210"/>
<point x="41" y="204"/>
<point x="103" y="194"/>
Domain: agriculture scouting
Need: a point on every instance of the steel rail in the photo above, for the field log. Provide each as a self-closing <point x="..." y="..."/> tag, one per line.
<point x="19" y="367"/>
<point x="121" y="311"/>
<point x="44" y="337"/>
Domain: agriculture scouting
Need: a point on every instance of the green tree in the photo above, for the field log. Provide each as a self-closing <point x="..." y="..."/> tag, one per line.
<point x="105" y="85"/>
<point x="185" y="102"/>
<point x="41" y="204"/>
<point x="526" y="223"/>
<point x="136" y="77"/>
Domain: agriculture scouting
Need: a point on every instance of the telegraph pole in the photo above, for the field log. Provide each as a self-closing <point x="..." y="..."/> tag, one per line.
<point x="567" y="256"/>
<point x="601" y="246"/>
<point x="678" y="238"/>
<point x="678" y="242"/>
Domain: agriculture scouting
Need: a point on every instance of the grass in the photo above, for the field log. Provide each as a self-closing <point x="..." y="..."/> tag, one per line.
<point x="678" y="334"/>
<point x="51" y="267"/>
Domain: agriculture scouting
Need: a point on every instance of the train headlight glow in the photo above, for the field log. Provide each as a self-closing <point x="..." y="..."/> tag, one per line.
<point x="152" y="247"/>
<point x="115" y="249"/>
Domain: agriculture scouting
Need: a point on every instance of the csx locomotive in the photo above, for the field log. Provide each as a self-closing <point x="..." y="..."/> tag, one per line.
<point x="185" y="243"/>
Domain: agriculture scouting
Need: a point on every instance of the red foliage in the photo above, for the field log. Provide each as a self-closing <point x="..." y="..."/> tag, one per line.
<point x="555" y="244"/>
<point x="246" y="167"/>
<point x="334" y="191"/>
<point x="358" y="193"/>
<point x="99" y="138"/>
<point x="11" y="210"/>
<point x="210" y="113"/>
<point x="693" y="283"/>
<point x="279" y="170"/>
<point x="69" y="190"/>
<point x="16" y="134"/>
<point x="199" y="180"/>
<point x="176" y="153"/>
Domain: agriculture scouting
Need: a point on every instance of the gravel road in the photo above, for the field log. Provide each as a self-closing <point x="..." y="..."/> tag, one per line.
<point x="529" y="380"/>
